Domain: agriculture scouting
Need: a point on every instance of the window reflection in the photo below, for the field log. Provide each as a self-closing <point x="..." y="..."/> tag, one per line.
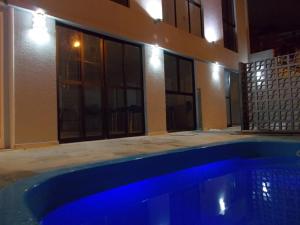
<point x="229" y="192"/>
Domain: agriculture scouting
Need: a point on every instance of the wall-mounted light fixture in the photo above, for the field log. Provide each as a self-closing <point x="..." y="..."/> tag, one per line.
<point x="39" y="32"/>
<point x="155" y="56"/>
<point x="210" y="35"/>
<point x="216" y="72"/>
<point x="154" y="8"/>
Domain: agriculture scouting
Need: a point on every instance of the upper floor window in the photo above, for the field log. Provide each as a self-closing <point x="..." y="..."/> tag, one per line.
<point x="229" y="25"/>
<point x="122" y="2"/>
<point x="184" y="14"/>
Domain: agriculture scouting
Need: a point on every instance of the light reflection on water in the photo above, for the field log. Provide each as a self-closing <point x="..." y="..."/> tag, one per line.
<point x="235" y="192"/>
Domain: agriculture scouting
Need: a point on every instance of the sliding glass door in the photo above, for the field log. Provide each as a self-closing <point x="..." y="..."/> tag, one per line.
<point x="180" y="93"/>
<point x="100" y="88"/>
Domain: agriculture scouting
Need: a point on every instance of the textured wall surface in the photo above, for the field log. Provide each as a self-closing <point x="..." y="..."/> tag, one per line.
<point x="136" y="24"/>
<point x="155" y="97"/>
<point x="35" y="84"/>
<point x="35" y="101"/>
<point x="263" y="55"/>
<point x="210" y="80"/>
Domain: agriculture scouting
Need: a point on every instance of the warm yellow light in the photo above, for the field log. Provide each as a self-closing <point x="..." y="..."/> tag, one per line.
<point x="76" y="44"/>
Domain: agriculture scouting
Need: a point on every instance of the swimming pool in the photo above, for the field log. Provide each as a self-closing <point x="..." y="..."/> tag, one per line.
<point x="248" y="182"/>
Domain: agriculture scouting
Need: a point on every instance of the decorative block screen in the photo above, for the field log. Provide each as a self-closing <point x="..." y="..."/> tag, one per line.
<point x="275" y="196"/>
<point x="271" y="94"/>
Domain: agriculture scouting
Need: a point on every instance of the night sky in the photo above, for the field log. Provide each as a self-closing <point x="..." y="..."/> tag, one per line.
<point x="269" y="17"/>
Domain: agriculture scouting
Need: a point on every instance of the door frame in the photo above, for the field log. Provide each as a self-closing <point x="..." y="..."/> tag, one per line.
<point x="229" y="97"/>
<point x="1" y="79"/>
<point x="178" y="57"/>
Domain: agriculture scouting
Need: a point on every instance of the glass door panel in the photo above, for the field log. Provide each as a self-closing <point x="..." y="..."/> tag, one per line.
<point x="70" y="81"/>
<point x="134" y="89"/>
<point x="171" y="73"/>
<point x="93" y="112"/>
<point x="180" y="93"/>
<point x="92" y="86"/>
<point x="115" y="88"/>
<point x="70" y="112"/>
<point x="186" y="76"/>
<point x="133" y="66"/>
<point x="116" y="112"/>
<point x="113" y="63"/>
<point x="180" y="112"/>
<point x="135" y="111"/>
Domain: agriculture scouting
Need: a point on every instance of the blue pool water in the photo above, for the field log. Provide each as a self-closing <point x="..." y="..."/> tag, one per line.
<point x="250" y="182"/>
<point x="260" y="191"/>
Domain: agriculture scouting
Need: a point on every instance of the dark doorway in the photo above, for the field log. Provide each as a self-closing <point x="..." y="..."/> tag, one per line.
<point x="180" y="93"/>
<point x="232" y="98"/>
<point x="100" y="86"/>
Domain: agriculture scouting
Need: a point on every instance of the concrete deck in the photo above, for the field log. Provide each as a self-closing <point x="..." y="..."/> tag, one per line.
<point x="17" y="164"/>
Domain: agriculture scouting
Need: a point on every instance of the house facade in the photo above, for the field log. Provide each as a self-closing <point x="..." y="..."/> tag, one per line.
<point x="95" y="69"/>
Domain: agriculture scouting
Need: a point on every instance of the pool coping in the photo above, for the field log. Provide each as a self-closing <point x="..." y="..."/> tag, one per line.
<point x="16" y="212"/>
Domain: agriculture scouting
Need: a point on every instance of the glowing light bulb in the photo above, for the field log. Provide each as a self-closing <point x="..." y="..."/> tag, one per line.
<point x="216" y="72"/>
<point x="210" y="35"/>
<point x="154" y="8"/>
<point x="39" y="32"/>
<point x="155" y="60"/>
<point x="76" y="44"/>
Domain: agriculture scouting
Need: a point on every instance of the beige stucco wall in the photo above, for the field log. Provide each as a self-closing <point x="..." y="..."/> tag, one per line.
<point x="210" y="80"/>
<point x="34" y="84"/>
<point x="135" y="24"/>
<point x="155" y="98"/>
<point x="34" y="97"/>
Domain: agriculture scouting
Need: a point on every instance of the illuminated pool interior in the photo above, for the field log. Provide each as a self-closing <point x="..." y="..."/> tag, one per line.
<point x="248" y="192"/>
<point x="238" y="183"/>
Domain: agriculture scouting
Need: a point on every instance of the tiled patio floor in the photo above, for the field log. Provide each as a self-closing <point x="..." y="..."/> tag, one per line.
<point x="16" y="164"/>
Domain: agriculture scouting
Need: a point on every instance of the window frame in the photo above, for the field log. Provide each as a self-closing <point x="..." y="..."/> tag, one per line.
<point x="126" y="4"/>
<point x="229" y="25"/>
<point x="189" y="2"/>
<point x="1" y="79"/>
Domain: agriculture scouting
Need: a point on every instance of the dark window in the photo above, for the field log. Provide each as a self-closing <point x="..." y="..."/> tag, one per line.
<point x="100" y="87"/>
<point x="122" y="2"/>
<point x="229" y="25"/>
<point x="184" y="14"/>
<point x="180" y="93"/>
